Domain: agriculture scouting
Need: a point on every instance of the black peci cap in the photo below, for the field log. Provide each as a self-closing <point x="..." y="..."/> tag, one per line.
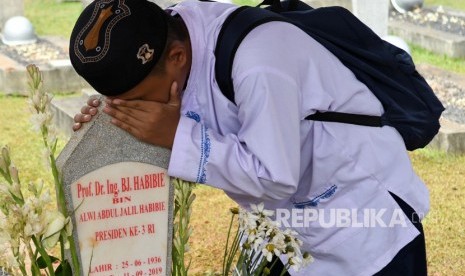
<point x="116" y="43"/>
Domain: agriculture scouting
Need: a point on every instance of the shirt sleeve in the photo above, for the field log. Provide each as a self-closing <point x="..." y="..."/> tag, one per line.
<point x="260" y="161"/>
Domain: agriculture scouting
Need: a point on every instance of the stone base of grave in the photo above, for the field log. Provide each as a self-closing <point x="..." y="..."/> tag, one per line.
<point x="58" y="74"/>
<point x="451" y="136"/>
<point x="65" y="109"/>
<point x="449" y="44"/>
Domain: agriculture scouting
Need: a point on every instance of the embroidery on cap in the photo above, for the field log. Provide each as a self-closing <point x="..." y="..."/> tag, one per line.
<point x="90" y="48"/>
<point x="145" y="53"/>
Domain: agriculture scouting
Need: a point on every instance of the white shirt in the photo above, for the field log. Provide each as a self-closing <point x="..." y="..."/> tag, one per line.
<point x="263" y="150"/>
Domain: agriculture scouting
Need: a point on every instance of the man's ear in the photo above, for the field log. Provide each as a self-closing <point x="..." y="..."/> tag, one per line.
<point x="177" y="54"/>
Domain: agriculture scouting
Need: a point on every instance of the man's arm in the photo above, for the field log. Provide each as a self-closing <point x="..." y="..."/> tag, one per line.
<point x="262" y="160"/>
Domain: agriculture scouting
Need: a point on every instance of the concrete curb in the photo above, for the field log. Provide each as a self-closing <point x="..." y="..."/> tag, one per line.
<point x="60" y="75"/>
<point x="436" y="41"/>
<point x="65" y="109"/>
<point x="450" y="139"/>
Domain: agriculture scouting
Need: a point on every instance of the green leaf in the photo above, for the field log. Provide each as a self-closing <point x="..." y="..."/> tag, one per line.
<point x="64" y="269"/>
<point x="43" y="264"/>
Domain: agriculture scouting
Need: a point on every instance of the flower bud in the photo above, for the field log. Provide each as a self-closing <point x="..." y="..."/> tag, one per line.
<point x="52" y="232"/>
<point x="306" y="255"/>
<point x="191" y="199"/>
<point x="234" y="210"/>
<point x="290" y="249"/>
<point x="28" y="231"/>
<point x="6" y="155"/>
<point x="68" y="226"/>
<point x="30" y="69"/>
<point x="48" y="98"/>
<point x="266" y="271"/>
<point x="36" y="102"/>
<point x="15" y="191"/>
<point x="66" y="243"/>
<point x="3" y="166"/>
<point x="291" y="261"/>
<point x="40" y="186"/>
<point x="14" y="174"/>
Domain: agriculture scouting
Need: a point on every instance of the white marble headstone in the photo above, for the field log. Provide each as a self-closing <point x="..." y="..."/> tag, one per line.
<point x="122" y="200"/>
<point x="374" y="13"/>
<point x="10" y="8"/>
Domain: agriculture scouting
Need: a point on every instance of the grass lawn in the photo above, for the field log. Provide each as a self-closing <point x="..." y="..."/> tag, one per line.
<point x="51" y="17"/>
<point x="455" y="4"/>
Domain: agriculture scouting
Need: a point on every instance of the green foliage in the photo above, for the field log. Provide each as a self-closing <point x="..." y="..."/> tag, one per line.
<point x="50" y="17"/>
<point x="247" y="2"/>
<point x="421" y="55"/>
<point x="455" y="4"/>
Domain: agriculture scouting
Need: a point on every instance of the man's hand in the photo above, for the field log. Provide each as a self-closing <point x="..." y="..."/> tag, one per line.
<point x="87" y="112"/>
<point x="149" y="121"/>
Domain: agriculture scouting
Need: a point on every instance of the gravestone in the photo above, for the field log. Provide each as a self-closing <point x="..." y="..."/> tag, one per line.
<point x="121" y="198"/>
<point x="10" y="8"/>
<point x="373" y="13"/>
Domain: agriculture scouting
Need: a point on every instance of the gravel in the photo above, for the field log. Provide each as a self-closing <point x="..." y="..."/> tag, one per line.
<point x="451" y="94"/>
<point x="435" y="18"/>
<point x="450" y="90"/>
<point x="37" y="53"/>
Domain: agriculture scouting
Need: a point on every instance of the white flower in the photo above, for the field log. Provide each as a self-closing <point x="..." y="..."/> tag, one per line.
<point x="49" y="116"/>
<point x="4" y="237"/>
<point x="54" y="227"/>
<point x="257" y="243"/>
<point x="51" y="135"/>
<point x="38" y="121"/>
<point x="45" y="197"/>
<point x="247" y="220"/>
<point x="36" y="101"/>
<point x="11" y="261"/>
<point x="269" y="250"/>
<point x="33" y="225"/>
<point x="260" y="209"/>
<point x="264" y="236"/>
<point x="295" y="263"/>
<point x="307" y="259"/>
<point x="36" y="188"/>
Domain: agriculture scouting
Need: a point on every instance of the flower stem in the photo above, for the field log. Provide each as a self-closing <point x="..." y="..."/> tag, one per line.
<point x="74" y="257"/>
<point x="44" y="255"/>
<point x="34" y="268"/>
<point x="226" y="266"/>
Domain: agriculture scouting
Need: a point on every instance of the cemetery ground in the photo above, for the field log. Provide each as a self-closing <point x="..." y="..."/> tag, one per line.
<point x="443" y="174"/>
